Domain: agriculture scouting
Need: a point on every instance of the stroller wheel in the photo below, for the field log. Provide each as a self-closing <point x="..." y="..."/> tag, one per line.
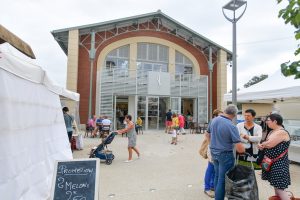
<point x="108" y="162"/>
<point x="112" y="157"/>
<point x="92" y="155"/>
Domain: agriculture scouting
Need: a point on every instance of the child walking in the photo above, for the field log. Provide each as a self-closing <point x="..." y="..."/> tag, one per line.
<point x="174" y="136"/>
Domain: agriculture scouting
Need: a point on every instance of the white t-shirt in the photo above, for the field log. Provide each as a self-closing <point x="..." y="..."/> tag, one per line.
<point x="255" y="139"/>
<point x="174" y="134"/>
<point x="106" y="122"/>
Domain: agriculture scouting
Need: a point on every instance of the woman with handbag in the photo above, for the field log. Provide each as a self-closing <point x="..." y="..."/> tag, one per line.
<point x="210" y="172"/>
<point x="275" y="165"/>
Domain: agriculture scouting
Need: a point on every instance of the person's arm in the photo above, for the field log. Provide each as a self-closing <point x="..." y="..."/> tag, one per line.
<point x="274" y="139"/>
<point x="75" y="126"/>
<point x="256" y="136"/>
<point x="207" y="132"/>
<point x="242" y="131"/>
<point x="125" y="130"/>
<point x="240" y="148"/>
<point x="207" y="135"/>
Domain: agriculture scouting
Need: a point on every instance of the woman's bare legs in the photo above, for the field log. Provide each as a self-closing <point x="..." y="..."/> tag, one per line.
<point x="136" y="151"/>
<point x="130" y="152"/>
<point x="282" y="194"/>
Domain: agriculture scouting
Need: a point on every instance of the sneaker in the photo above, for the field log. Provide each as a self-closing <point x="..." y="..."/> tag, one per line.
<point x="128" y="161"/>
<point x="210" y="193"/>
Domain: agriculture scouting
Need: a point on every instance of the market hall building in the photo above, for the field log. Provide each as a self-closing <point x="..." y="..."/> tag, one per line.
<point x="144" y="65"/>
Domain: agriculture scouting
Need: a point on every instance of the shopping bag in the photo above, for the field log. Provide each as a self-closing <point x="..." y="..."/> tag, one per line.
<point x="240" y="183"/>
<point x="73" y="143"/>
<point x="79" y="142"/>
<point x="203" y="148"/>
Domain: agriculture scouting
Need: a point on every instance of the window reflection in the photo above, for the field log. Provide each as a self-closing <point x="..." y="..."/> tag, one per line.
<point x="152" y="57"/>
<point x="183" y="65"/>
<point x="118" y="59"/>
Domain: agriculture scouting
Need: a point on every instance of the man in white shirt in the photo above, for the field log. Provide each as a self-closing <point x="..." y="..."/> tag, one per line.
<point x="106" y="121"/>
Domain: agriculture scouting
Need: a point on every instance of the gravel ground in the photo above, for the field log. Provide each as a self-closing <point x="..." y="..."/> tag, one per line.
<point x="164" y="171"/>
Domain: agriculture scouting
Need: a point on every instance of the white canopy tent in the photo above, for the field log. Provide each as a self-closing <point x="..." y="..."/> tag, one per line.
<point x="276" y="87"/>
<point x="32" y="129"/>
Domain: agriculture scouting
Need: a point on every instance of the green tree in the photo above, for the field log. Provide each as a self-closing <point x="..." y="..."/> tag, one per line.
<point x="291" y="15"/>
<point x="255" y="79"/>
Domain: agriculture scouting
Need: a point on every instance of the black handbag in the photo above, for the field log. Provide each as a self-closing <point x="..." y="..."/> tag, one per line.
<point x="260" y="156"/>
<point x="261" y="153"/>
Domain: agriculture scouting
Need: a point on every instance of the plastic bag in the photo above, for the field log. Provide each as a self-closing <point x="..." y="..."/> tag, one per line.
<point x="79" y="142"/>
<point x="240" y="183"/>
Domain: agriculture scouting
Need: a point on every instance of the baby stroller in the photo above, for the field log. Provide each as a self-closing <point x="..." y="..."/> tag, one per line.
<point x="101" y="150"/>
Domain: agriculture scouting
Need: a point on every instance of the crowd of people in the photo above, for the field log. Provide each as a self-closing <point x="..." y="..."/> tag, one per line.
<point x="246" y="140"/>
<point x="252" y="142"/>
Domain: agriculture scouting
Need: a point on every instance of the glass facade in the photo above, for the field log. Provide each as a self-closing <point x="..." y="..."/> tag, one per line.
<point x="141" y="108"/>
<point x="117" y="79"/>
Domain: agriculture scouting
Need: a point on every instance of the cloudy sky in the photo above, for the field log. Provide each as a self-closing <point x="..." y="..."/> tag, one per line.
<point x="263" y="40"/>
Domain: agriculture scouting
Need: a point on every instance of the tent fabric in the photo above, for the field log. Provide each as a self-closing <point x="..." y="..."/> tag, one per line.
<point x="32" y="73"/>
<point x="32" y="130"/>
<point x="275" y="87"/>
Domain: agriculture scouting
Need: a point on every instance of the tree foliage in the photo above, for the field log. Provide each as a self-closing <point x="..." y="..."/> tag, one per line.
<point x="255" y="79"/>
<point x="291" y="15"/>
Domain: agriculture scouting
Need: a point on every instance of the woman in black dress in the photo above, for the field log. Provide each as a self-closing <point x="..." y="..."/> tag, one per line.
<point x="275" y="147"/>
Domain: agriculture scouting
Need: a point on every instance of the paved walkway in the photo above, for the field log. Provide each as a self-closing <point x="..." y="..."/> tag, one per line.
<point x="164" y="172"/>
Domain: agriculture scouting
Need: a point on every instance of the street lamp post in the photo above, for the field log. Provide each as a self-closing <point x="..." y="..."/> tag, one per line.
<point x="210" y="67"/>
<point x="234" y="5"/>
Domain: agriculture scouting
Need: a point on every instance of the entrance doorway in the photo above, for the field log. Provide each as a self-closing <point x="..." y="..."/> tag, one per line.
<point x="187" y="109"/>
<point x="153" y="103"/>
<point x="121" y="110"/>
<point x="187" y="106"/>
<point x="164" y="103"/>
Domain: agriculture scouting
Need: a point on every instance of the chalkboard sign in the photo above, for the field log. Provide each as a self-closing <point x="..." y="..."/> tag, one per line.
<point x="76" y="180"/>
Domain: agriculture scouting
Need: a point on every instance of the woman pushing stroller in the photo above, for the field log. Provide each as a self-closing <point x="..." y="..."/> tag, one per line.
<point x="131" y="134"/>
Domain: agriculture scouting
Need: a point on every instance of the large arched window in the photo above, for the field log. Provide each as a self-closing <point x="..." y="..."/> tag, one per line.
<point x="183" y="65"/>
<point x="118" y="58"/>
<point x="152" y="57"/>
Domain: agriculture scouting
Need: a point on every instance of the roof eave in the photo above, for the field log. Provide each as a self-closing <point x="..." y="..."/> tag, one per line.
<point x="86" y="28"/>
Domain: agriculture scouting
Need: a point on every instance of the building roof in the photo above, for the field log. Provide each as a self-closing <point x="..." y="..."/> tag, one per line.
<point x="173" y="26"/>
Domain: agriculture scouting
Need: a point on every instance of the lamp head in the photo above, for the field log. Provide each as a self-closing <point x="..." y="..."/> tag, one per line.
<point x="233" y="5"/>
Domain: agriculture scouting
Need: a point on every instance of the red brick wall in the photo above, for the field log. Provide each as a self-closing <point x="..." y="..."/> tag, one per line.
<point x="84" y="65"/>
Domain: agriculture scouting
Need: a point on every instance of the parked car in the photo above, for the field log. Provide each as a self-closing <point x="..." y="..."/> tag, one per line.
<point x="240" y="117"/>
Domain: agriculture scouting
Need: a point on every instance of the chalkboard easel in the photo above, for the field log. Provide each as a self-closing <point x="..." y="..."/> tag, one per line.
<point x="76" y="179"/>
